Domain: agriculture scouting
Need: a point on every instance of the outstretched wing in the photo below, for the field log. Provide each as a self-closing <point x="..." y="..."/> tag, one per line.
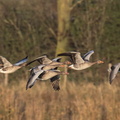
<point x="78" y="59"/>
<point x="34" y="74"/>
<point x="70" y="54"/>
<point x="55" y="82"/>
<point x="24" y="60"/>
<point x="86" y="57"/>
<point x="33" y="78"/>
<point x="57" y="59"/>
<point x="4" y="62"/>
<point x="114" y="72"/>
<point x="75" y="57"/>
<point x="42" y="60"/>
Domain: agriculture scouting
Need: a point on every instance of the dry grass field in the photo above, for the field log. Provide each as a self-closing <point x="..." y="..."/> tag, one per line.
<point x="75" y="102"/>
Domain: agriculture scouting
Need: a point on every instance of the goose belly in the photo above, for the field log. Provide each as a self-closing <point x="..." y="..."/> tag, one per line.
<point x="80" y="67"/>
<point x="47" y="76"/>
<point x="8" y="70"/>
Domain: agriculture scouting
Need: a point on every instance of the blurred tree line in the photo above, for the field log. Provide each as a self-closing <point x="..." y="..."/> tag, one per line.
<point x="40" y="27"/>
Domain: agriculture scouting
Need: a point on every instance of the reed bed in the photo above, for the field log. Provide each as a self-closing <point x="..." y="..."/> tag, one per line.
<point x="76" y="101"/>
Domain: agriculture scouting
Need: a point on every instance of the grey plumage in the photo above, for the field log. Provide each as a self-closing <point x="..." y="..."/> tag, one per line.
<point x="113" y="70"/>
<point x="7" y="67"/>
<point x="78" y="62"/>
<point x="39" y="73"/>
<point x="46" y="70"/>
<point x="34" y="73"/>
<point x="44" y="60"/>
<point x="76" y="56"/>
<point x="87" y="56"/>
<point x="47" y="66"/>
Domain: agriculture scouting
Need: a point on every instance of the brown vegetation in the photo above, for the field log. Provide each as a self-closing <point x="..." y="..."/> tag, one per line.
<point x="77" y="102"/>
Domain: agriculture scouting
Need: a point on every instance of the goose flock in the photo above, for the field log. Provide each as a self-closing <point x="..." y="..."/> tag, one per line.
<point x="48" y="69"/>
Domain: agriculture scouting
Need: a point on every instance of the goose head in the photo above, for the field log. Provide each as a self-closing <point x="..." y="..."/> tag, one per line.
<point x="99" y="62"/>
<point x="109" y="67"/>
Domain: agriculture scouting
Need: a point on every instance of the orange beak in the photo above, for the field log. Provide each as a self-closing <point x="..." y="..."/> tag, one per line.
<point x="101" y="62"/>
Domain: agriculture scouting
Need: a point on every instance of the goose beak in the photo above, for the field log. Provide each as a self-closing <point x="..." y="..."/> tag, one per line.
<point x="99" y="62"/>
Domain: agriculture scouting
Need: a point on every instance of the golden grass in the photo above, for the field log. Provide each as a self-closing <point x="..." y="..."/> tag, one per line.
<point x="75" y="102"/>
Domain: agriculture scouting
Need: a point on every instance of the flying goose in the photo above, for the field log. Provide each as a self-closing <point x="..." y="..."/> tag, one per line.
<point x="78" y="62"/>
<point x="7" y="67"/>
<point x="113" y="70"/>
<point x="37" y="73"/>
<point x="42" y="60"/>
<point x="45" y="60"/>
<point x="51" y="65"/>
<point x="50" y="74"/>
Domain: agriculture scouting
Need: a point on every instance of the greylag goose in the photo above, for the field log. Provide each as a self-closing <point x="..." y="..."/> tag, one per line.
<point x="42" y="60"/>
<point x="51" y="64"/>
<point x="113" y="70"/>
<point x="78" y="62"/>
<point x="50" y="74"/>
<point x="45" y="60"/>
<point x="7" y="67"/>
<point x="39" y="73"/>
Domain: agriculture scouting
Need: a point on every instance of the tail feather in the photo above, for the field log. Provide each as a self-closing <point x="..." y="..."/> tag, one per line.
<point x="55" y="85"/>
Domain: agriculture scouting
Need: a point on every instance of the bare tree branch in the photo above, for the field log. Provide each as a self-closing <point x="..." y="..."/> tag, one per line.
<point x="53" y="33"/>
<point x="11" y="22"/>
<point x="75" y="4"/>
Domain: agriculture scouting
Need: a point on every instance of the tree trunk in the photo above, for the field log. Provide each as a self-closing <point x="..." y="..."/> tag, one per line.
<point x="63" y="28"/>
<point x="63" y="25"/>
